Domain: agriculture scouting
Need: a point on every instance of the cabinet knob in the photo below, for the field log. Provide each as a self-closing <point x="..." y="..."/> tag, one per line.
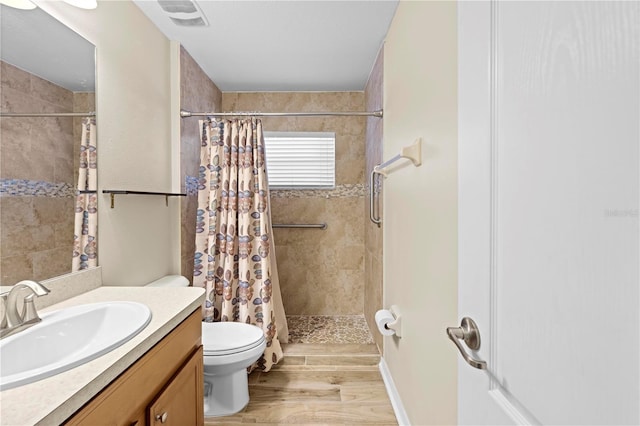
<point x="162" y="417"/>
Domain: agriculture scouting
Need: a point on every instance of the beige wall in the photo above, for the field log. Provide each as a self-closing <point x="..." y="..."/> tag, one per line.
<point x="321" y="272"/>
<point x="420" y="207"/>
<point x="372" y="232"/>
<point x="197" y="94"/>
<point x="138" y="239"/>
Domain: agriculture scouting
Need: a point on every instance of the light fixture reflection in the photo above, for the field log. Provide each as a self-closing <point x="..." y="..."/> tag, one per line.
<point x="19" y="4"/>
<point x="83" y="4"/>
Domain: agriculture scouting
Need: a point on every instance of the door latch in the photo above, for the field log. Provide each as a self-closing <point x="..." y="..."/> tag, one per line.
<point x="469" y="333"/>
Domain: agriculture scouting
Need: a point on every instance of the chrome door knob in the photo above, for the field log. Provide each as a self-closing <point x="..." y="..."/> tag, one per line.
<point x="162" y="417"/>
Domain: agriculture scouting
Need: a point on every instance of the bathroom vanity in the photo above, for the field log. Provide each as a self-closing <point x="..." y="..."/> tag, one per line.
<point x="163" y="387"/>
<point x="154" y="378"/>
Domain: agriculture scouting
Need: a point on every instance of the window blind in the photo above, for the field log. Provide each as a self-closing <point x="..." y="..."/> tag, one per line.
<point x="300" y="159"/>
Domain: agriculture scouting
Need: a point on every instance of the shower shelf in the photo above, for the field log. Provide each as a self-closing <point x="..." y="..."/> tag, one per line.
<point x="114" y="192"/>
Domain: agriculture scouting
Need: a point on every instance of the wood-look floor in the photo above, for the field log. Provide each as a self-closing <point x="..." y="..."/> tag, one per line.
<point x="327" y="384"/>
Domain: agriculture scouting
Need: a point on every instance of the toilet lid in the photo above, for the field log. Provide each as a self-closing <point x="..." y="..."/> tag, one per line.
<point x="224" y="338"/>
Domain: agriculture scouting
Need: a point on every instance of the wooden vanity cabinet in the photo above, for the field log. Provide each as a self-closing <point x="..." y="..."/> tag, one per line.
<point x="166" y="383"/>
<point x="181" y="402"/>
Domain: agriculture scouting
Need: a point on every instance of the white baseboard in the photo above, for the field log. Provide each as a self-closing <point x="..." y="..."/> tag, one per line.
<point x="396" y="402"/>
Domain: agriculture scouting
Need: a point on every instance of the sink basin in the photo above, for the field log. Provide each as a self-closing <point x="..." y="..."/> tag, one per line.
<point x="68" y="338"/>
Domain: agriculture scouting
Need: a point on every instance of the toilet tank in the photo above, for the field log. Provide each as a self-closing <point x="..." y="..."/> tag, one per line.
<point x="170" y="281"/>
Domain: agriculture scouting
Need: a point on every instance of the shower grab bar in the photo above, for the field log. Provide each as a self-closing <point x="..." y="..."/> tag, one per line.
<point x="301" y="225"/>
<point x="412" y="152"/>
<point x="372" y="196"/>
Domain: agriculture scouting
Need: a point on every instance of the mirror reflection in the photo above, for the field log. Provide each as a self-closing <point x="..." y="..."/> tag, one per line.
<point x="48" y="71"/>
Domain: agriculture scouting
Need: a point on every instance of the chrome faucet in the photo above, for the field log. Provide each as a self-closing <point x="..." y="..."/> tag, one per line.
<point x="14" y="321"/>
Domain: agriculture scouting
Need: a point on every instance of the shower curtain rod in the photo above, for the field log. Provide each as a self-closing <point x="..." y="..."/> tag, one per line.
<point x="48" y="114"/>
<point x="185" y="114"/>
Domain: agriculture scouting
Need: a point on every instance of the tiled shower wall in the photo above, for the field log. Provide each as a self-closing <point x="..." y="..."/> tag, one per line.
<point x="372" y="233"/>
<point x="38" y="173"/>
<point x="197" y="94"/>
<point x="321" y="272"/>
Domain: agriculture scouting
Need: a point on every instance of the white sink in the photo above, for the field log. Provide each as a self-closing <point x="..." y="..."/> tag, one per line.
<point x="68" y="338"/>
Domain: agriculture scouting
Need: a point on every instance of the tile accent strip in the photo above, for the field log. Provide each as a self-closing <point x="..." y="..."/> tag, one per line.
<point x="340" y="191"/>
<point x="191" y="185"/>
<point x="37" y="188"/>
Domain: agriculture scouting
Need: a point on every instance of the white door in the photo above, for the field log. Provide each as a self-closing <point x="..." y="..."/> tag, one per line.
<point x="549" y="129"/>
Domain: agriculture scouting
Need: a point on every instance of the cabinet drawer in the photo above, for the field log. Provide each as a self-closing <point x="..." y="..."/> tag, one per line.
<point x="125" y="400"/>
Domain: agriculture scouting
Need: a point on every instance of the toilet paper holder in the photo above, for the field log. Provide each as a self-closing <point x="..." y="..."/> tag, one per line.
<point x="396" y="325"/>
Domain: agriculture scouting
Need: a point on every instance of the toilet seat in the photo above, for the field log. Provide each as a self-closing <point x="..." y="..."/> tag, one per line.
<point x="226" y="338"/>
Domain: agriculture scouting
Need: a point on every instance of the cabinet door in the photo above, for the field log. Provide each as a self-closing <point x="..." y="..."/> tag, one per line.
<point x="137" y="420"/>
<point x="181" y="401"/>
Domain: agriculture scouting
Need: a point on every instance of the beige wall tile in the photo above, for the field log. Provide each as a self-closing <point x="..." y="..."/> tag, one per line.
<point x="51" y="93"/>
<point x="84" y="102"/>
<point x="21" y="240"/>
<point x="63" y="169"/>
<point x="50" y="210"/>
<point x="53" y="262"/>
<point x="16" y="268"/>
<point x="43" y="238"/>
<point x="17" y="129"/>
<point x="14" y="78"/>
<point x="17" y="211"/>
<point x="12" y="134"/>
<point x="63" y="233"/>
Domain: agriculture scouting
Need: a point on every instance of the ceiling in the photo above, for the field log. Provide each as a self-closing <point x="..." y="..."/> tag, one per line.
<point x="300" y="45"/>
<point x="267" y="45"/>
<point x="34" y="41"/>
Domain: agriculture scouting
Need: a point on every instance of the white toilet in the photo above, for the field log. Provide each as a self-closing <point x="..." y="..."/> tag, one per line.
<point x="229" y="348"/>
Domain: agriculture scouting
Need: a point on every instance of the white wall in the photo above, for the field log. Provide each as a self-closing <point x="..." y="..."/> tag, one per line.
<point x="138" y="239"/>
<point x="420" y="207"/>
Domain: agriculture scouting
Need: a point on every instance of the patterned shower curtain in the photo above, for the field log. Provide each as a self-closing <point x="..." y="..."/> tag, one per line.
<point x="86" y="209"/>
<point x="235" y="257"/>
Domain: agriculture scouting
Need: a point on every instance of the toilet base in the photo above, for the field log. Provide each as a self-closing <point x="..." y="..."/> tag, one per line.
<point x="225" y="394"/>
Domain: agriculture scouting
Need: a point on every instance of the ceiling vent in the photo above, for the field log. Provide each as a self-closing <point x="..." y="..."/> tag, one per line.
<point x="184" y="13"/>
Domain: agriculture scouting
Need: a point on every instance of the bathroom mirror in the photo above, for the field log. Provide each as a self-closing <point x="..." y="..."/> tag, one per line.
<point x="46" y="68"/>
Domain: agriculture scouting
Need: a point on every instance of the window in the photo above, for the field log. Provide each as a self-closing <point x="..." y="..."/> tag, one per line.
<point x="301" y="159"/>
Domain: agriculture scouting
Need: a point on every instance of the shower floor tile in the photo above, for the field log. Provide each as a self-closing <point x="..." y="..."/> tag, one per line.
<point x="337" y="329"/>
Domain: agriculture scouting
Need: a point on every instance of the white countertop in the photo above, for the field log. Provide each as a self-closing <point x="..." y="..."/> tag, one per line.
<point x="52" y="400"/>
